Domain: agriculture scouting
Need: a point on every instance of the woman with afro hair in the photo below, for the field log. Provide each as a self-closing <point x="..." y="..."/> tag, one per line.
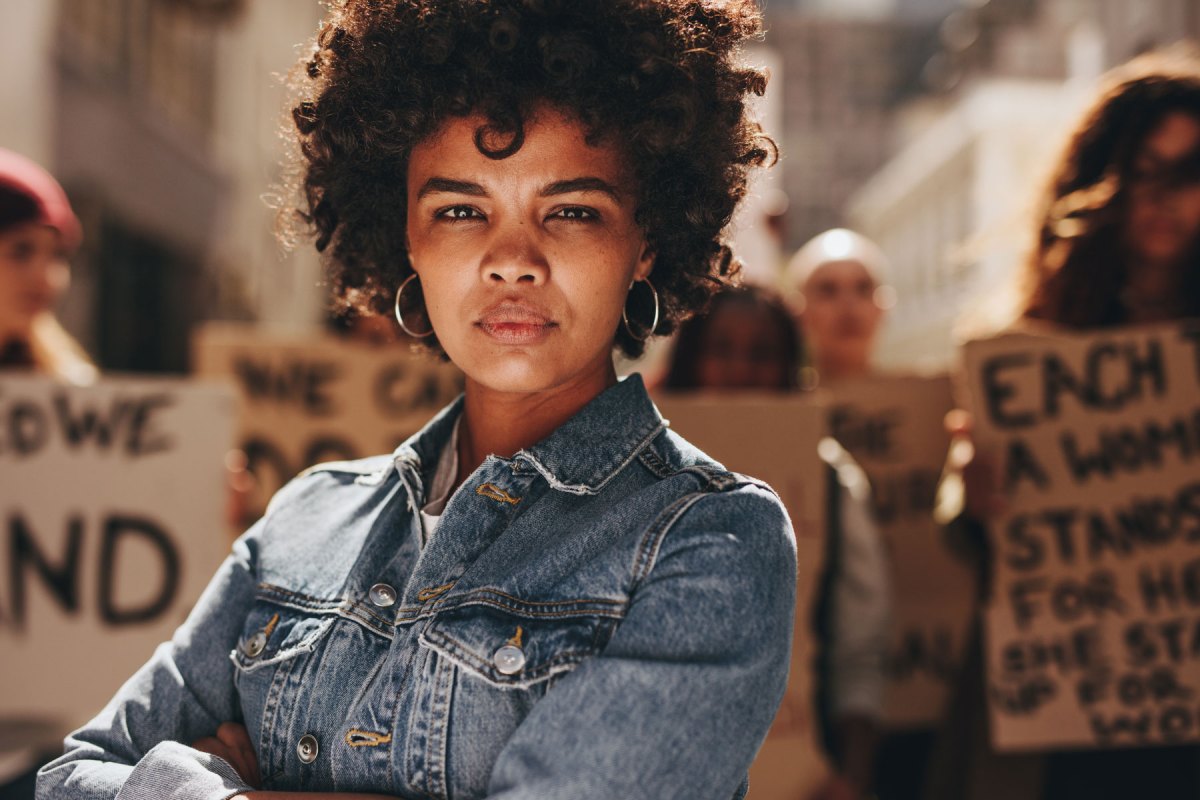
<point x="545" y="593"/>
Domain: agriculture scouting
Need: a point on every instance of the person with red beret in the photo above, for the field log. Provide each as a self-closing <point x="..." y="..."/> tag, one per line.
<point x="38" y="232"/>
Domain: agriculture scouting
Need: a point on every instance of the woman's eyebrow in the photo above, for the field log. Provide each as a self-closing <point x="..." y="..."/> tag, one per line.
<point x="582" y="185"/>
<point x="450" y="186"/>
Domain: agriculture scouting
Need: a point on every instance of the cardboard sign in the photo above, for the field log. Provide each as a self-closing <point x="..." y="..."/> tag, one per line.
<point x="775" y="439"/>
<point x="1093" y="628"/>
<point x="112" y="502"/>
<point x="305" y="400"/>
<point x="893" y="426"/>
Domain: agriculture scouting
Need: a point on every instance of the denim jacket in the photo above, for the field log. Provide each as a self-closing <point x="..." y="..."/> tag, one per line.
<point x="606" y="614"/>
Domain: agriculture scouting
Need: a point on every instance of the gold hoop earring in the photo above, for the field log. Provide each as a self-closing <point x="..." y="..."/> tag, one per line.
<point x="400" y="312"/>
<point x="625" y="314"/>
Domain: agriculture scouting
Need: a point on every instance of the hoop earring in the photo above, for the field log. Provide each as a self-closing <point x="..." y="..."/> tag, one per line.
<point x="625" y="315"/>
<point x="400" y="313"/>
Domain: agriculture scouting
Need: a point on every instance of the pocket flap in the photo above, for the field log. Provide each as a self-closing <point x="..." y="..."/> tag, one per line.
<point x="513" y="651"/>
<point x="272" y="634"/>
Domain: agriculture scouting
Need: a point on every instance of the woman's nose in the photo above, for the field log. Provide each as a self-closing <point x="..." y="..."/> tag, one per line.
<point x="516" y="257"/>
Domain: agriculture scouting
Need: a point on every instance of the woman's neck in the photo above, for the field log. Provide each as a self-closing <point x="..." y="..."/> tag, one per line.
<point x="503" y="423"/>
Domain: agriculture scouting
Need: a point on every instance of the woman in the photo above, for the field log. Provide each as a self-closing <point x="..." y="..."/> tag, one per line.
<point x="38" y="232"/>
<point x="839" y="299"/>
<point x="544" y="593"/>
<point x="1117" y="242"/>
<point x="747" y="341"/>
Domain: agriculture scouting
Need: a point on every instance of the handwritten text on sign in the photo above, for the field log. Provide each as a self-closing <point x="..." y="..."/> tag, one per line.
<point x="893" y="426"/>
<point x="1093" y="629"/>
<point x="307" y="400"/>
<point x="111" y="503"/>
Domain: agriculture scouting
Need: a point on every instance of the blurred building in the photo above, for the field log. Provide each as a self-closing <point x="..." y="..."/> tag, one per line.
<point x="950" y="207"/>
<point x="844" y="70"/>
<point x="950" y="212"/>
<point x="161" y="119"/>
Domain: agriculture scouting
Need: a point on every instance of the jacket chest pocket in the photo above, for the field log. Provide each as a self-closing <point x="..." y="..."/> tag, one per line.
<point x="482" y="671"/>
<point x="269" y="662"/>
<point x="510" y="651"/>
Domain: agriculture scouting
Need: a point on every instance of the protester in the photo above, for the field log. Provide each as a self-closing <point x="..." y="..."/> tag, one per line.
<point x="38" y="232"/>
<point x="1117" y="241"/>
<point x="836" y="287"/>
<point x="545" y="593"/>
<point x="747" y="341"/>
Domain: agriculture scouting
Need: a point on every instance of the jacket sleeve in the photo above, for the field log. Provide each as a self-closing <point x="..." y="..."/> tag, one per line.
<point x="679" y="701"/>
<point x="137" y="747"/>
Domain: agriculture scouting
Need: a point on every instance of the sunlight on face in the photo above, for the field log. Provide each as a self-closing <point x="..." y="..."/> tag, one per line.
<point x="841" y="315"/>
<point x="525" y="261"/>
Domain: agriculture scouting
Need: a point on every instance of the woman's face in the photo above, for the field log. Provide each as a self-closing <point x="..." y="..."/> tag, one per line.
<point x="525" y="261"/>
<point x="33" y="273"/>
<point x="742" y="349"/>
<point x="1163" y="222"/>
<point x="840" y="316"/>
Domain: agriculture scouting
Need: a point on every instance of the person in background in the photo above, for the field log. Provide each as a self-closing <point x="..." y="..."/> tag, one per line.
<point x="1116" y="242"/>
<point x="834" y="283"/>
<point x="747" y="341"/>
<point x="836" y="287"/>
<point x="38" y="233"/>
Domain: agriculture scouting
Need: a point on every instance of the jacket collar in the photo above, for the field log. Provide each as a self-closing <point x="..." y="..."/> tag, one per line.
<point x="582" y="455"/>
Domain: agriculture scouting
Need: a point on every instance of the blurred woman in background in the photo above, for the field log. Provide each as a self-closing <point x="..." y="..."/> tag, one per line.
<point x="835" y="283"/>
<point x="1117" y="242"/>
<point x="747" y="341"/>
<point x="38" y="232"/>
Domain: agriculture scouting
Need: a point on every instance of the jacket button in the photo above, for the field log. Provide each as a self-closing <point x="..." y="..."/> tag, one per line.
<point x="307" y="748"/>
<point x="382" y="595"/>
<point x="254" y="646"/>
<point x="509" y="659"/>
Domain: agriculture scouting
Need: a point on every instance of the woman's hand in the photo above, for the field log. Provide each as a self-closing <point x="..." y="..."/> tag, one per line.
<point x="982" y="498"/>
<point x="232" y="743"/>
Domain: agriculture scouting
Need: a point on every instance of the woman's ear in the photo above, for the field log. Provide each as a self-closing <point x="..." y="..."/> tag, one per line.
<point x="645" y="263"/>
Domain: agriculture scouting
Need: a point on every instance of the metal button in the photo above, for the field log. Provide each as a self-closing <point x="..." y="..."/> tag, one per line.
<point x="509" y="659"/>
<point x="382" y="595"/>
<point x="254" y="646"/>
<point x="307" y="748"/>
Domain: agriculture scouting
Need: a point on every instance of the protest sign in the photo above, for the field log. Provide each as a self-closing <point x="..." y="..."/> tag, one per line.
<point x="893" y="426"/>
<point x="112" y="503"/>
<point x="775" y="439"/>
<point x="307" y="399"/>
<point x="1093" y="624"/>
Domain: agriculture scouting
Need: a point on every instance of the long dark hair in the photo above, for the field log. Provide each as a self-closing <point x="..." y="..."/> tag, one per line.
<point x="683" y="374"/>
<point x="1078" y="266"/>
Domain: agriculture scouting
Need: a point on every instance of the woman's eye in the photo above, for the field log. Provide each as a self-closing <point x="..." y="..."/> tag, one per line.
<point x="575" y="213"/>
<point x="459" y="213"/>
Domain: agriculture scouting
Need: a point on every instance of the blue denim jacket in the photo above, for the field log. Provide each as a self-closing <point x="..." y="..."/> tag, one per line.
<point x="605" y="615"/>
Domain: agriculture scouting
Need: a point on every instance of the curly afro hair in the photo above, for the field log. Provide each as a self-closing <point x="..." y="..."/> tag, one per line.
<point x="659" y="77"/>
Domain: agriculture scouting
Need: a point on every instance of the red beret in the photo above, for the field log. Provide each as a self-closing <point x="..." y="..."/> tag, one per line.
<point x="22" y="175"/>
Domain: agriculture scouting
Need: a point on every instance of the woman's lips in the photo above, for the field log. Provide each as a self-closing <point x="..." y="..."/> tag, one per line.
<point x="515" y="323"/>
